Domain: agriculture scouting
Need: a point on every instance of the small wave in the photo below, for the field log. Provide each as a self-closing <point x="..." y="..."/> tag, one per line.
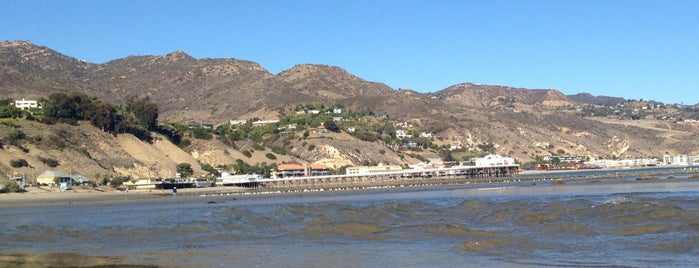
<point x="618" y="200"/>
<point x="566" y="229"/>
<point x="686" y="245"/>
<point x="447" y="230"/>
<point x="489" y="245"/>
<point x="642" y="229"/>
<point x="349" y="229"/>
<point x="537" y="218"/>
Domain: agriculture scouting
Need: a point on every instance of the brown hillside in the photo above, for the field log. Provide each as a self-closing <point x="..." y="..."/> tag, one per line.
<point x="521" y="123"/>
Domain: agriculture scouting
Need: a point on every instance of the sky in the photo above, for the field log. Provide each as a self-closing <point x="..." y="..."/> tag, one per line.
<point x="633" y="49"/>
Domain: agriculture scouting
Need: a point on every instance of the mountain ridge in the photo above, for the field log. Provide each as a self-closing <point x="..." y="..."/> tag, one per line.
<point x="522" y="123"/>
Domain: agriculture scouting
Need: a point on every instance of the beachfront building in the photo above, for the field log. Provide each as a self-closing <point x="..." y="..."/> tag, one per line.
<point x="365" y="170"/>
<point x="297" y="170"/>
<point x="493" y="160"/>
<point x="680" y="160"/>
<point x="612" y="163"/>
<point x="51" y="177"/>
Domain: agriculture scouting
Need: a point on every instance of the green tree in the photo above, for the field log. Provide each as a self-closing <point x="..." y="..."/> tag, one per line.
<point x="556" y="161"/>
<point x="144" y="111"/>
<point x="67" y="108"/>
<point x="331" y="126"/>
<point x="212" y="171"/>
<point x="8" y="110"/>
<point x="11" y="187"/>
<point x="202" y="133"/>
<point x="104" y="116"/>
<point x="185" y="170"/>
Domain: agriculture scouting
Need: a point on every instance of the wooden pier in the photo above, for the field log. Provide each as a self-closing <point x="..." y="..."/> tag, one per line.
<point x="424" y="176"/>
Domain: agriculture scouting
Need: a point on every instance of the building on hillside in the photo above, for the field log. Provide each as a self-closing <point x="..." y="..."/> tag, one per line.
<point x="296" y="170"/>
<point x="494" y="160"/>
<point x="402" y="134"/>
<point x="365" y="170"/>
<point x="425" y="134"/>
<point x="26" y="104"/>
<point x="264" y="122"/>
<point x="237" y="122"/>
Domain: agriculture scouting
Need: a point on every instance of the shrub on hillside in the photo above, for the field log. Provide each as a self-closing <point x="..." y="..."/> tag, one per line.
<point x="15" y="135"/>
<point x="49" y="161"/>
<point x="11" y="187"/>
<point x="19" y="163"/>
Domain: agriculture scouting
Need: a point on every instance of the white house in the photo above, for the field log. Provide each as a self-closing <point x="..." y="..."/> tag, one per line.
<point x="264" y="122"/>
<point x="401" y="134"/>
<point x="237" y="122"/>
<point x="492" y="160"/>
<point x="26" y="104"/>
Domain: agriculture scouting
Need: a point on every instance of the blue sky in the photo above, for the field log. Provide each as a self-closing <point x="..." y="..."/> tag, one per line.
<point x="632" y="49"/>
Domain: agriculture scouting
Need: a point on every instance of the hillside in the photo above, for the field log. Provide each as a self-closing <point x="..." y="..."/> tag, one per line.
<point x="522" y="123"/>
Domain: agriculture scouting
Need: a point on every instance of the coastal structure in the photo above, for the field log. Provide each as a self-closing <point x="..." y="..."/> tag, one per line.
<point x="612" y="163"/>
<point x="493" y="160"/>
<point x="297" y="170"/>
<point x="363" y="170"/>
<point x="396" y="177"/>
<point x="680" y="160"/>
<point x="52" y="177"/>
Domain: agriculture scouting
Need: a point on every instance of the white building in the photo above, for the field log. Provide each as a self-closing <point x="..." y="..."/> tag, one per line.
<point x="611" y="163"/>
<point x="237" y="122"/>
<point x="26" y="104"/>
<point x="264" y="122"/>
<point x="364" y="170"/>
<point x="401" y="134"/>
<point x="681" y="160"/>
<point x="492" y="160"/>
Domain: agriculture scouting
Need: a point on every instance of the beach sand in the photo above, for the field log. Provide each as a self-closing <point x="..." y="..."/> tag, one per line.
<point x="41" y="197"/>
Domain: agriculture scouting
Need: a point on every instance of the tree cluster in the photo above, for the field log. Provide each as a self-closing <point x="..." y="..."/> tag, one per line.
<point x="138" y="116"/>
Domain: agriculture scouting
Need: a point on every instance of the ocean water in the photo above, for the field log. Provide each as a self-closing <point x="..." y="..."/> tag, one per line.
<point x="580" y="224"/>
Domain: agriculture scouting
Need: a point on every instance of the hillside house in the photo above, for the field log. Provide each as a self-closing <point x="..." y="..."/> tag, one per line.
<point x="425" y="135"/>
<point x="402" y="134"/>
<point x="237" y="122"/>
<point x="264" y="122"/>
<point x="26" y="104"/>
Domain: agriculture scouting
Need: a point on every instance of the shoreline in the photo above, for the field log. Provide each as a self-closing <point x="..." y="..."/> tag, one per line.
<point x="39" y="197"/>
